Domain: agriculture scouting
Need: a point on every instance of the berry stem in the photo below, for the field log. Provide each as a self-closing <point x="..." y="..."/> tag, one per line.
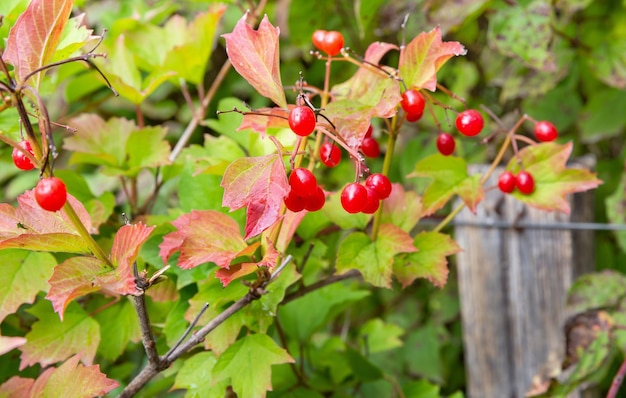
<point x="391" y="143"/>
<point x="95" y="248"/>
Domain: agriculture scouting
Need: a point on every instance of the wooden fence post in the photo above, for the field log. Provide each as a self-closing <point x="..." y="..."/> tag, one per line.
<point x="513" y="284"/>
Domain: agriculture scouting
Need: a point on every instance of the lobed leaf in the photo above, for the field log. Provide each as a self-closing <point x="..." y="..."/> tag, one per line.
<point x="72" y="379"/>
<point x="16" y="387"/>
<point x="24" y="274"/>
<point x="260" y="185"/>
<point x="51" y="340"/>
<point x="374" y="259"/>
<point x="546" y="162"/>
<point x="119" y="324"/>
<point x="195" y="377"/>
<point x="424" y="56"/>
<point x="32" y="228"/>
<point x="428" y="262"/>
<point x="226" y="275"/>
<point x="203" y="236"/>
<point x="35" y="36"/>
<point x="255" y="56"/>
<point x="247" y="363"/>
<point x="449" y="175"/>
<point x="402" y="208"/>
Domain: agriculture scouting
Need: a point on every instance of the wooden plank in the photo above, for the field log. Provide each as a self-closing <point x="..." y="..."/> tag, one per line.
<point x="513" y="284"/>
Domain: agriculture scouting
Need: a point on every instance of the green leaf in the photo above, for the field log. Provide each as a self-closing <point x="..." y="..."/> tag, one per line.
<point x="596" y="290"/>
<point x="118" y="323"/>
<point x="362" y="368"/>
<point x="616" y="210"/>
<point x="421" y="353"/>
<point x="402" y="208"/>
<point x="50" y="340"/>
<point x="449" y="175"/>
<point x="75" y="35"/>
<point x="598" y="121"/>
<point x="24" y="274"/>
<point x="430" y="260"/>
<point x="247" y="363"/>
<point x="546" y="162"/>
<point x="147" y="148"/>
<point x="378" y="336"/>
<point x="422" y="389"/>
<point x="524" y="32"/>
<point x="374" y="259"/>
<point x="196" y="377"/>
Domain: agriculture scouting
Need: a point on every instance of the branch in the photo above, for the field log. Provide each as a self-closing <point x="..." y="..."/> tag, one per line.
<point x="617" y="381"/>
<point x="149" y="344"/>
<point x="320" y="284"/>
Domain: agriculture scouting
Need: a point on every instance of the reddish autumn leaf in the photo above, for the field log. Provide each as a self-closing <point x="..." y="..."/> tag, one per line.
<point x="203" y="236"/>
<point x="260" y="184"/>
<point x="254" y="54"/>
<point x="75" y="277"/>
<point x="226" y="275"/>
<point x="16" y="387"/>
<point x="30" y="227"/>
<point x="72" y="379"/>
<point x="424" y="56"/>
<point x="402" y="208"/>
<point x="265" y="118"/>
<point x="369" y="93"/>
<point x="428" y="262"/>
<point x="35" y="36"/>
<point x="546" y="163"/>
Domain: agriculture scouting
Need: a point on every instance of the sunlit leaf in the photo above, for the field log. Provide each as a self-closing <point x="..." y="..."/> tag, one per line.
<point x="402" y="208"/>
<point x="546" y="162"/>
<point x="254" y="54"/>
<point x="260" y="185"/>
<point x="195" y="376"/>
<point x="424" y="56"/>
<point x="226" y="275"/>
<point x="374" y="259"/>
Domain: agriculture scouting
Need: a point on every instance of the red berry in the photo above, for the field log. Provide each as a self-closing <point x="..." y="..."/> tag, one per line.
<point x="370" y="147"/>
<point x="372" y="203"/>
<point x="506" y="182"/>
<point x="354" y="198"/>
<point x="470" y="122"/>
<point x="20" y="160"/>
<point x="330" y="154"/>
<point x="51" y="193"/>
<point x="316" y="201"/>
<point x="380" y="184"/>
<point x="413" y="104"/>
<point x="330" y="42"/>
<point x="525" y="182"/>
<point x="545" y="131"/>
<point x="303" y="183"/>
<point x="445" y="144"/>
<point x="369" y="132"/>
<point x="302" y="120"/>
<point x="294" y="202"/>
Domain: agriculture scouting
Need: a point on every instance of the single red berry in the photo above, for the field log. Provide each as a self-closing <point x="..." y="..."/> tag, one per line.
<point x="330" y="42"/>
<point x="303" y="183"/>
<point x="525" y="182"/>
<point x="545" y="131"/>
<point x="302" y="120"/>
<point x="372" y="203"/>
<point x="413" y="104"/>
<point x="330" y="154"/>
<point x="445" y="144"/>
<point x="316" y="201"/>
<point x="354" y="198"/>
<point x="470" y="122"/>
<point x="369" y="132"/>
<point x="21" y="161"/>
<point x="380" y="184"/>
<point x="294" y="202"/>
<point x="370" y="147"/>
<point x="51" y="193"/>
<point x="507" y="182"/>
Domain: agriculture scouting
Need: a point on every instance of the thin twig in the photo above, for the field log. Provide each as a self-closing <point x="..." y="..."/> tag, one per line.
<point x="189" y="329"/>
<point x="320" y="284"/>
<point x="147" y="338"/>
<point x="617" y="381"/>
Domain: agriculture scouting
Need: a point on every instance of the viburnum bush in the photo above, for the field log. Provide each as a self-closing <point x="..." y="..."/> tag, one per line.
<point x="250" y="259"/>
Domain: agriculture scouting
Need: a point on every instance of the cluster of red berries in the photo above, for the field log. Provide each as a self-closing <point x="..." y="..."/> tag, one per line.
<point x="330" y="42"/>
<point x="469" y="123"/>
<point x="523" y="181"/>
<point x="305" y="193"/>
<point x="357" y="198"/>
<point x="50" y="193"/>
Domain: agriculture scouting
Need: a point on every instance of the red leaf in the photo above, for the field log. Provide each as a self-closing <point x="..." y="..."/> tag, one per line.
<point x="73" y="379"/>
<point x="30" y="227"/>
<point x="546" y="162"/>
<point x="16" y="387"/>
<point x="203" y="236"/>
<point x="260" y="183"/>
<point x="254" y="54"/>
<point x="423" y="57"/>
<point x="226" y="275"/>
<point x="35" y="36"/>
